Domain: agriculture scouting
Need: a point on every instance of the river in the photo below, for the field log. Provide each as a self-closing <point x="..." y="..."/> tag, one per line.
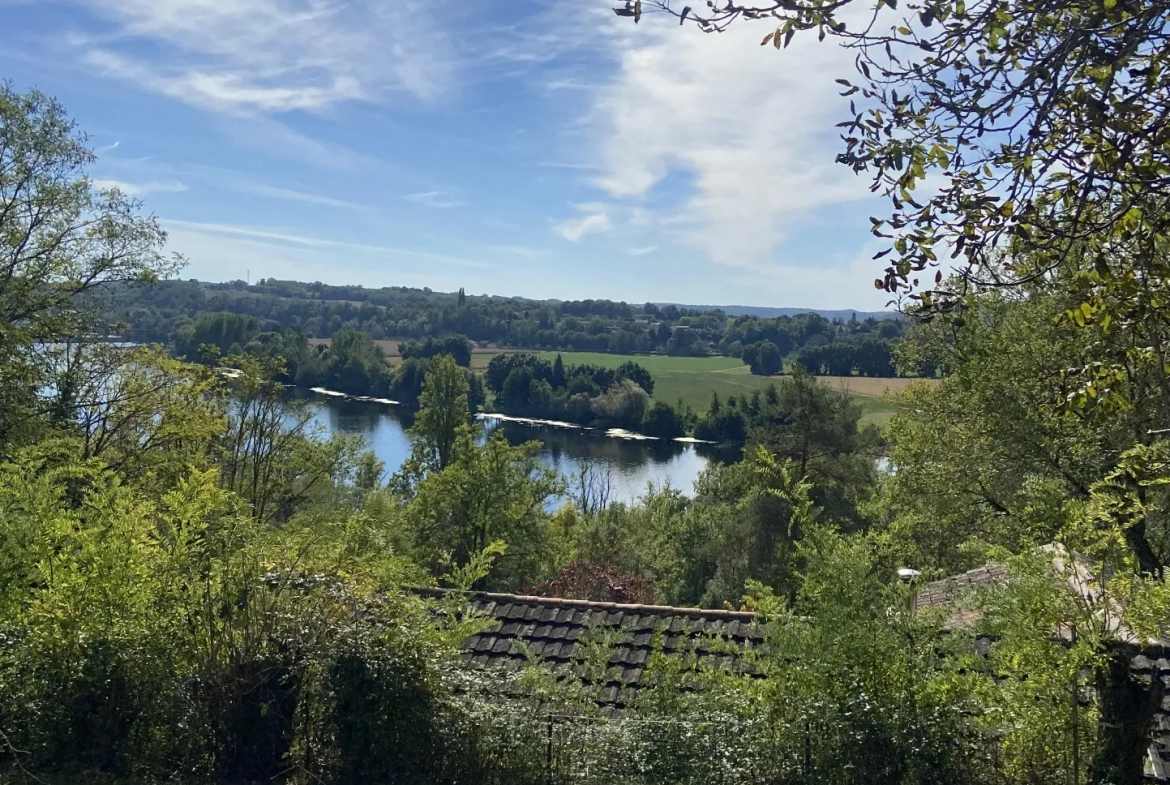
<point x="632" y="465"/>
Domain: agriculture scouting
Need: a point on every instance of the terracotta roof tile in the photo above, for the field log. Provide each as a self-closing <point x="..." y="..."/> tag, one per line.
<point x="561" y="633"/>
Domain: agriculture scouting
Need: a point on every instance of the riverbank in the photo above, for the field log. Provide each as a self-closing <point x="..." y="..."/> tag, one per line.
<point x="630" y="465"/>
<point x="613" y="433"/>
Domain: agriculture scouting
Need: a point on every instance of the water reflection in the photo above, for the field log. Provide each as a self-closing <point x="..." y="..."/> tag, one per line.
<point x="632" y="465"/>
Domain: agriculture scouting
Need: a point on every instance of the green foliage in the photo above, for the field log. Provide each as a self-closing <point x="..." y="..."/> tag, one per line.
<point x="457" y="346"/>
<point x="983" y="456"/>
<point x="229" y="333"/>
<point x="418" y="318"/>
<point x="443" y="416"/>
<point x="663" y="421"/>
<point x="270" y="454"/>
<point x="63" y="241"/>
<point x="587" y="394"/>
<point x="352" y="364"/>
<point x="763" y="358"/>
<point x="487" y="493"/>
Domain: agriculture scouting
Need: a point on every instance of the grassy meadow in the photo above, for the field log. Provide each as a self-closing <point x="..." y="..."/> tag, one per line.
<point x="693" y="379"/>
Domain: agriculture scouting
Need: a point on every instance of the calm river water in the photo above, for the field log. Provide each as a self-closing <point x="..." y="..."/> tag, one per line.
<point x="633" y="464"/>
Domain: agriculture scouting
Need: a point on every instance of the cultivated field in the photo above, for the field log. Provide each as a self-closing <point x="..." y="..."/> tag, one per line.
<point x="479" y="357"/>
<point x="693" y="379"/>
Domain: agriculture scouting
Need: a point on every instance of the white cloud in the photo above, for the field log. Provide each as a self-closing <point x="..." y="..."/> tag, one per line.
<point x="752" y="127"/>
<point x="596" y="219"/>
<point x="140" y="189"/>
<point x="438" y="199"/>
<point x="222" y="255"/>
<point x="289" y="194"/>
<point x="239" y="56"/>
<point x="642" y="251"/>
<point x="280" y="237"/>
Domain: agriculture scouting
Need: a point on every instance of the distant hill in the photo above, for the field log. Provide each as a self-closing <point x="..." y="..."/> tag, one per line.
<point x="771" y="313"/>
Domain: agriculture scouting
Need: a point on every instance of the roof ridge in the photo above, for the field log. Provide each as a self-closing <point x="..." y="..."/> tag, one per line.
<point x="665" y="610"/>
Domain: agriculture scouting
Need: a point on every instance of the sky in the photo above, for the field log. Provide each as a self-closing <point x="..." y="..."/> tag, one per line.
<point x="540" y="148"/>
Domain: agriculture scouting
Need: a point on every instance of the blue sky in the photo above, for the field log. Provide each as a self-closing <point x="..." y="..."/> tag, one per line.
<point x="537" y="148"/>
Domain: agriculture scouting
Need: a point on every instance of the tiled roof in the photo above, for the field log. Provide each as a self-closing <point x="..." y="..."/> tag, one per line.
<point x="1149" y="664"/>
<point x="947" y="592"/>
<point x="562" y="634"/>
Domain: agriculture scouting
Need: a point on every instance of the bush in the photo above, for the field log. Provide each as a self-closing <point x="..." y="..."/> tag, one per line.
<point x="663" y="420"/>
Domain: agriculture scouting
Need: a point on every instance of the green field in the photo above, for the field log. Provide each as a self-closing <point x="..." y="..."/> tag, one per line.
<point x="693" y="379"/>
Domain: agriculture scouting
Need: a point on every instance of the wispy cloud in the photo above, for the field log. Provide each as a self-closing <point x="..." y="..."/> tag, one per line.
<point x="567" y="165"/>
<point x="224" y="255"/>
<point x="140" y="189"/>
<point x="274" y="55"/>
<point x="642" y="251"/>
<point x="596" y="219"/>
<point x="317" y="242"/>
<point x="107" y="148"/>
<point x="439" y="199"/>
<point x="292" y="195"/>
<point x="274" y="138"/>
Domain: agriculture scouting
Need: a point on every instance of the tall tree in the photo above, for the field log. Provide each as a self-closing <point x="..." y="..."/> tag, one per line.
<point x="62" y="241"/>
<point x="443" y="416"/>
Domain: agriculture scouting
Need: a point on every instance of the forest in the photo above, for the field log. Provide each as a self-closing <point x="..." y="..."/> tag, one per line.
<point x="196" y="586"/>
<point x="177" y="311"/>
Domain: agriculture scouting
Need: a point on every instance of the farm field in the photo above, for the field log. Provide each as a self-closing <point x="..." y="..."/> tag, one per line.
<point x="479" y="357"/>
<point x="693" y="379"/>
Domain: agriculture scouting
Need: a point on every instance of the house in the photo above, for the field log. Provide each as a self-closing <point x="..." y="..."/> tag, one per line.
<point x="556" y="632"/>
<point x="559" y="634"/>
<point x="1135" y="701"/>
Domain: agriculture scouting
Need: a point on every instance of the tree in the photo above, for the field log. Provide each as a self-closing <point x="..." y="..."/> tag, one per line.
<point x="819" y="430"/>
<point x="455" y="345"/>
<point x="1042" y="120"/>
<point x="558" y="373"/>
<point x="763" y="358"/>
<point x="490" y="492"/>
<point x="63" y="243"/>
<point x="270" y="453"/>
<point x="623" y="405"/>
<point x="873" y="358"/>
<point x="637" y="374"/>
<point x="663" y="420"/>
<point x="353" y="363"/>
<point x="227" y="332"/>
<point x="442" y="416"/>
<point x="982" y="455"/>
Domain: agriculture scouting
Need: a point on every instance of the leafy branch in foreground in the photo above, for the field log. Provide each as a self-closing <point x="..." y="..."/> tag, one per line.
<point x="1039" y="126"/>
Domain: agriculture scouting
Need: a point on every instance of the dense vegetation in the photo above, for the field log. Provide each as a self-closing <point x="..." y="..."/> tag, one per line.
<point x="173" y="310"/>
<point x="195" y="587"/>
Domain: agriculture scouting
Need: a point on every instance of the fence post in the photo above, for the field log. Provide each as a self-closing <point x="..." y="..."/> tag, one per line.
<point x="807" y="751"/>
<point x="548" y="757"/>
<point x="1076" y="725"/>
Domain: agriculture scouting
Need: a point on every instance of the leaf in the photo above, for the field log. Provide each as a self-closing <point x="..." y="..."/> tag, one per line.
<point x="768" y="38"/>
<point x="685" y="13"/>
<point x="637" y="11"/>
<point x="623" y="11"/>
